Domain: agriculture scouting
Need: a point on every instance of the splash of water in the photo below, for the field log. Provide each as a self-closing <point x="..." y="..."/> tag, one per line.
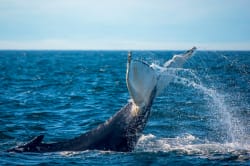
<point x="234" y="130"/>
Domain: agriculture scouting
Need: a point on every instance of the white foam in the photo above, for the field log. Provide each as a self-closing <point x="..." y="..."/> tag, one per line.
<point x="189" y="144"/>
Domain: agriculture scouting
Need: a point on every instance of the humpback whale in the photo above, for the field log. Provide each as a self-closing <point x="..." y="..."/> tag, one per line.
<point x="122" y="131"/>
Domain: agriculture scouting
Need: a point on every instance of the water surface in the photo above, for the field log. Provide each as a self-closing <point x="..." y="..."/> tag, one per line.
<point x="203" y="116"/>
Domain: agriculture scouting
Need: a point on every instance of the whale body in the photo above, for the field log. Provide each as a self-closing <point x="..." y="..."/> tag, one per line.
<point x="122" y="131"/>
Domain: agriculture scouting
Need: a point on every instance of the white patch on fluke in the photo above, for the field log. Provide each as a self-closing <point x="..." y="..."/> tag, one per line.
<point x="143" y="78"/>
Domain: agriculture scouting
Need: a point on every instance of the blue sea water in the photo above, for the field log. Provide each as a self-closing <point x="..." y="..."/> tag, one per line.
<point x="202" y="118"/>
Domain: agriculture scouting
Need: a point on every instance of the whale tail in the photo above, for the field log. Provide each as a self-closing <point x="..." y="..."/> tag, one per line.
<point x="143" y="78"/>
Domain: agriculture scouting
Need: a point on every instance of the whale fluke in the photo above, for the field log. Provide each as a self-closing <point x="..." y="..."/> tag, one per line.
<point x="141" y="80"/>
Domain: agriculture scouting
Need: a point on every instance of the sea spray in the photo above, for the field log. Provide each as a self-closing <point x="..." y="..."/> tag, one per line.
<point x="231" y="133"/>
<point x="230" y="127"/>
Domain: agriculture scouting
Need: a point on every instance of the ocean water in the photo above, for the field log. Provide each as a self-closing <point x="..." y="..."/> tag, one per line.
<point x="201" y="118"/>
